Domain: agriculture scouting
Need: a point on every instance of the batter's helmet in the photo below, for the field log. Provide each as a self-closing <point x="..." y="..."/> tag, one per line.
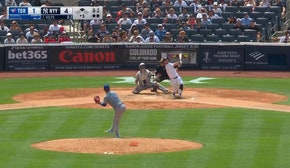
<point x="142" y="64"/>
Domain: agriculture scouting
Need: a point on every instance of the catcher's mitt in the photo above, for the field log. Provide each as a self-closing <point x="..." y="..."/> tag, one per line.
<point x="97" y="99"/>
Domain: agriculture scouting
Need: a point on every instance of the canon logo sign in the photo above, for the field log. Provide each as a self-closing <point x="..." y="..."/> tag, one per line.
<point x="27" y="55"/>
<point x="67" y="56"/>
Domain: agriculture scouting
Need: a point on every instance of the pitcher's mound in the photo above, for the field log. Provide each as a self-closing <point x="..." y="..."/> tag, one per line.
<point x="117" y="146"/>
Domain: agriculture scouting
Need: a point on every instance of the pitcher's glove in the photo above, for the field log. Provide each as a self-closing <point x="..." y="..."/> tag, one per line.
<point x="97" y="99"/>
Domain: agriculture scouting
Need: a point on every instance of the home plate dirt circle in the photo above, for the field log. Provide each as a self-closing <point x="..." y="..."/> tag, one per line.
<point x="117" y="146"/>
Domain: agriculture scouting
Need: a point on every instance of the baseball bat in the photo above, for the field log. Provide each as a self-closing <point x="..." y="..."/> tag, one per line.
<point x="180" y="59"/>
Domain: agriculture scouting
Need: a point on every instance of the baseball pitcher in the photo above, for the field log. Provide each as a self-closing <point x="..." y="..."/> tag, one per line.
<point x="143" y="80"/>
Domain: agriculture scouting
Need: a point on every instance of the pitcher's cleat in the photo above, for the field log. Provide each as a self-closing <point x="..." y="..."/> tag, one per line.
<point x="109" y="131"/>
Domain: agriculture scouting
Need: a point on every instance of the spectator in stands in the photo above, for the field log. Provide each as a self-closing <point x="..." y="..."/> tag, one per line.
<point x="200" y="12"/>
<point x="155" y="3"/>
<point x="64" y="38"/>
<point x="30" y="34"/>
<point x="3" y="26"/>
<point x="216" y="9"/>
<point x="31" y="23"/>
<point x="182" y="25"/>
<point x="254" y="26"/>
<point x="109" y="19"/>
<point x="10" y="3"/>
<point x="139" y="39"/>
<point x="167" y="4"/>
<point x="195" y="5"/>
<point x="124" y="38"/>
<point x="25" y="3"/>
<point x="281" y="5"/>
<point x="191" y="21"/>
<point x="88" y="25"/>
<point x="3" y="16"/>
<point x="116" y="33"/>
<point x="108" y="38"/>
<point x="239" y="25"/>
<point x="182" y="37"/>
<point x="54" y="27"/>
<point x="246" y="20"/>
<point x="21" y="39"/>
<point x="145" y="31"/>
<point x="171" y="14"/>
<point x="92" y="37"/>
<point x="14" y="26"/>
<point x="36" y="39"/>
<point x="105" y="12"/>
<point x="180" y="4"/>
<point x="125" y="20"/>
<point x="236" y="3"/>
<point x="223" y="5"/>
<point x="160" y="32"/>
<point x="232" y="20"/>
<point x="251" y="3"/>
<point x="9" y="39"/>
<point x="132" y="29"/>
<point x="157" y="13"/>
<point x="101" y="33"/>
<point x="127" y="10"/>
<point x="95" y="3"/>
<point x="49" y="38"/>
<point x="198" y="24"/>
<point x="211" y="14"/>
<point x="46" y="3"/>
<point x="146" y="13"/>
<point x="205" y="20"/>
<point x="139" y="19"/>
<point x="265" y="3"/>
<point x="152" y="38"/>
<point x="167" y="38"/>
<point x="140" y="5"/>
<point x="183" y="15"/>
<point x="285" y="38"/>
<point x="133" y="37"/>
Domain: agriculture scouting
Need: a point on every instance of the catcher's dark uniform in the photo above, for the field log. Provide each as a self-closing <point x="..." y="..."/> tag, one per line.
<point x="160" y="75"/>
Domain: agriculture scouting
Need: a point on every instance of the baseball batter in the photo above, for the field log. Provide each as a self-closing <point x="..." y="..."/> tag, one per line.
<point x="174" y="79"/>
<point x="143" y="80"/>
<point x="119" y="107"/>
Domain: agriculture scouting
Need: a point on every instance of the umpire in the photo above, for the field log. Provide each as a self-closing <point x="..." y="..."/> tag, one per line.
<point x="160" y="74"/>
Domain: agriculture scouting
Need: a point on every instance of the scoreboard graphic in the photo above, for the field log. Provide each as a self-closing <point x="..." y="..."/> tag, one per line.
<point x="55" y="13"/>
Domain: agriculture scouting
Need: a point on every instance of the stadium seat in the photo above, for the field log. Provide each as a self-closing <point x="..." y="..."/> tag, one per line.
<point x="245" y="9"/>
<point x="255" y="15"/>
<point x="3" y="33"/>
<point x="227" y="26"/>
<point x="205" y="32"/>
<point x="227" y="15"/>
<point x="233" y="9"/>
<point x="84" y="3"/>
<point x="169" y="26"/>
<point x="212" y="38"/>
<point x="190" y="32"/>
<point x="197" y="38"/>
<point x="251" y="33"/>
<point x="235" y="32"/>
<point x="220" y="32"/>
<point x="261" y="9"/>
<point x="243" y="38"/>
<point x="228" y="38"/>
<point x="213" y="26"/>
<point x="263" y="21"/>
<point x="220" y="20"/>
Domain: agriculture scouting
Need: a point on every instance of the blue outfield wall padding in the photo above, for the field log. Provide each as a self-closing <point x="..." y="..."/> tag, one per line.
<point x="101" y="56"/>
<point x="267" y="57"/>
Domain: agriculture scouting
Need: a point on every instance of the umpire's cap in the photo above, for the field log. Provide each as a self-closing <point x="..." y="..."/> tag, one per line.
<point x="142" y="64"/>
<point x="106" y="87"/>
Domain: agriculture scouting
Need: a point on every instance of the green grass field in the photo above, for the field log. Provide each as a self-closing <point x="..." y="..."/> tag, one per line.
<point x="232" y="137"/>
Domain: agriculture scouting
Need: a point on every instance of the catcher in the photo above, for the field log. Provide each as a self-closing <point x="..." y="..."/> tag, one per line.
<point x="160" y="75"/>
<point x="143" y="80"/>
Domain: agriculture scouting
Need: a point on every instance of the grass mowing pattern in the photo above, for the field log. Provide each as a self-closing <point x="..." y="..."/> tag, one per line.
<point x="232" y="137"/>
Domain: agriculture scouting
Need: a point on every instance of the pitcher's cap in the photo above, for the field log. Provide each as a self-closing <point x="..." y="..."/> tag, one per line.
<point x="106" y="87"/>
